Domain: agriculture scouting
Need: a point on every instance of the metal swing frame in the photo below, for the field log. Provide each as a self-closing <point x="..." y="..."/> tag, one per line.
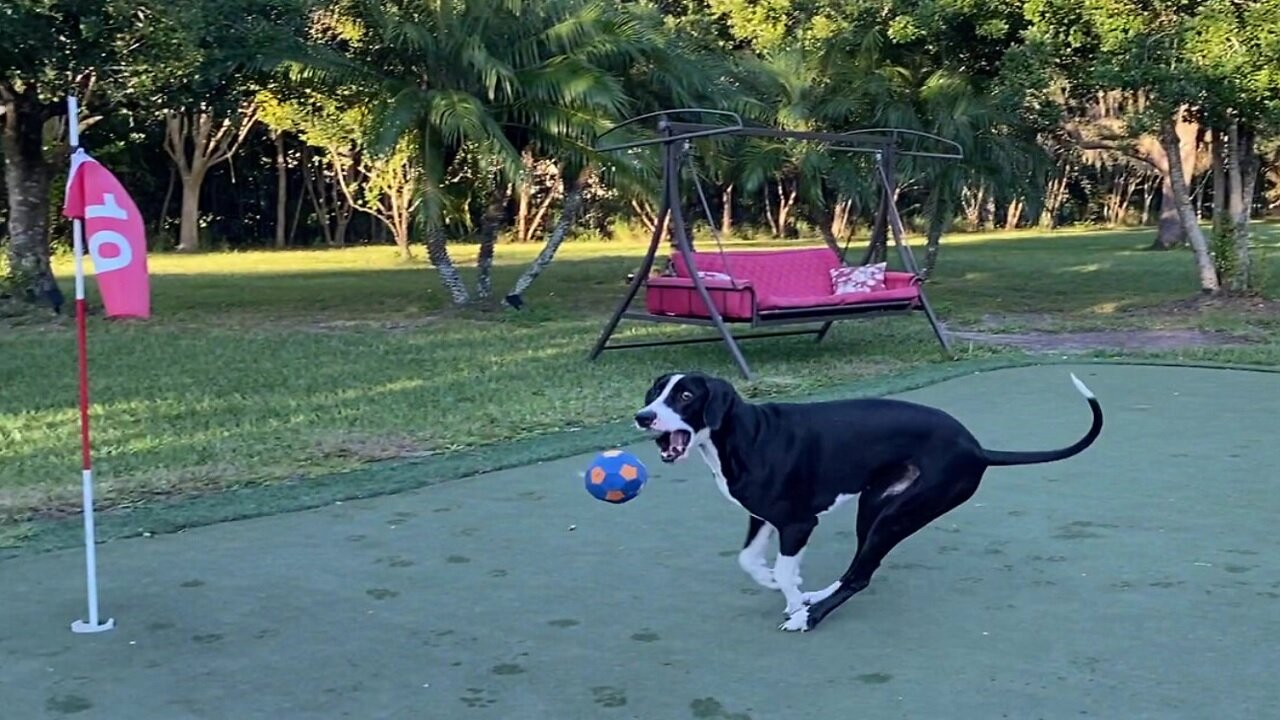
<point x="674" y="138"/>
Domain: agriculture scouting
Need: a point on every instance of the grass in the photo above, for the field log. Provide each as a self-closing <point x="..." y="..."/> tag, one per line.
<point x="272" y="366"/>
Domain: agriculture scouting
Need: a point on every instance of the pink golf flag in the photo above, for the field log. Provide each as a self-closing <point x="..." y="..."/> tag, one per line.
<point x="114" y="236"/>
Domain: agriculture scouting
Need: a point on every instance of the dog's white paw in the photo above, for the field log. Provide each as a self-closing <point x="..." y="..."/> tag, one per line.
<point x="797" y="621"/>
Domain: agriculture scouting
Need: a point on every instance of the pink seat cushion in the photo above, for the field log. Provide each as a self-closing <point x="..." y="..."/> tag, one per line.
<point x="773" y="273"/>
<point x="795" y="278"/>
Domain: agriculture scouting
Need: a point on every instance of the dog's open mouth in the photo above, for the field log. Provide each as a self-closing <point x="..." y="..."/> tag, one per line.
<point x="673" y="444"/>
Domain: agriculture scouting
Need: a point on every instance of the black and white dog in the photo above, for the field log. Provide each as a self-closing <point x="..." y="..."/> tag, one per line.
<point x="787" y="464"/>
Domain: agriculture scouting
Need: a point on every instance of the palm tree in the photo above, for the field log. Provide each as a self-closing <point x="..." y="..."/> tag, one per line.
<point x="658" y="67"/>
<point x="915" y="93"/>
<point x="474" y="75"/>
<point x="803" y="90"/>
<point x="998" y="153"/>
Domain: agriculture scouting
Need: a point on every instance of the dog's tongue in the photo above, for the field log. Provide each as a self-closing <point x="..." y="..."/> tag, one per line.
<point x="673" y="445"/>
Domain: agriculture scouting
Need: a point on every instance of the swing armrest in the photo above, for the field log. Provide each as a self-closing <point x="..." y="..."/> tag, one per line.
<point x="672" y="281"/>
<point x="898" y="279"/>
<point x="676" y="296"/>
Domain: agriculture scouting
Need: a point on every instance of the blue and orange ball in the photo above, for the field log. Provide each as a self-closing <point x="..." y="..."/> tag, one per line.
<point x="615" y="476"/>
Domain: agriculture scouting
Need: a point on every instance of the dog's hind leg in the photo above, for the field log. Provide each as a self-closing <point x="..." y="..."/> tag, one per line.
<point x="752" y="556"/>
<point x="871" y="505"/>
<point x="869" y="508"/>
<point x="886" y="521"/>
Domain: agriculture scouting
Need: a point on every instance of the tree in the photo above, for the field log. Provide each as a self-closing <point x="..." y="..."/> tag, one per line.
<point x="798" y="92"/>
<point x="47" y="49"/>
<point x="1105" y="123"/>
<point x="442" y="74"/>
<point x="1134" y="51"/>
<point x="382" y="183"/>
<point x="1236" y="48"/>
<point x="508" y="80"/>
<point x="208" y="104"/>
<point x="197" y="138"/>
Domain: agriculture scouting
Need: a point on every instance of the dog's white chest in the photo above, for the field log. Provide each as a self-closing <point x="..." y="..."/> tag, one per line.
<point x="712" y="458"/>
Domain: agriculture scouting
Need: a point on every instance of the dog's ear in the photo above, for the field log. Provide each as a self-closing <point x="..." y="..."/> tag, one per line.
<point x="720" y="398"/>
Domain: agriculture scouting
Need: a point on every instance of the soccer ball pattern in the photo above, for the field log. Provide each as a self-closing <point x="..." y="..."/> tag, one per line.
<point x="615" y="476"/>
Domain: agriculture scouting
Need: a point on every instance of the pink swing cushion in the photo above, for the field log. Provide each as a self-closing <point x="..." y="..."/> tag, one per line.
<point x="769" y="280"/>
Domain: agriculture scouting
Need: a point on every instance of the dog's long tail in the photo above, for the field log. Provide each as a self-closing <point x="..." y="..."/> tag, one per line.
<point x="1000" y="457"/>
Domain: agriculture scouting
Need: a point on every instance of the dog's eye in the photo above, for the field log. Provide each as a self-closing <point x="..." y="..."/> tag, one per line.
<point x="686" y="396"/>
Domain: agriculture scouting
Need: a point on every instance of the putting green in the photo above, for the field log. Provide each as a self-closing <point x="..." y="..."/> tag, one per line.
<point x="1138" y="580"/>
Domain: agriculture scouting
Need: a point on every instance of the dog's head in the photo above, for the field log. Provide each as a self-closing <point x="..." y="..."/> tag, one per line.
<point x="681" y="410"/>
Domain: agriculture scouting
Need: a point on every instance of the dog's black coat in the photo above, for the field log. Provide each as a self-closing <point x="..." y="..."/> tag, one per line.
<point x="786" y="463"/>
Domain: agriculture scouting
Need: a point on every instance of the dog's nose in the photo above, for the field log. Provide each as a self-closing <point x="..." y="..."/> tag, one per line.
<point x="645" y="418"/>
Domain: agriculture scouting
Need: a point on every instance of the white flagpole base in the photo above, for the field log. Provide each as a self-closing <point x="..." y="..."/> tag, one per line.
<point x="83" y="627"/>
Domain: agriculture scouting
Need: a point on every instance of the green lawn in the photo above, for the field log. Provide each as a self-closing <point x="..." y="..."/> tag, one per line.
<point x="284" y="365"/>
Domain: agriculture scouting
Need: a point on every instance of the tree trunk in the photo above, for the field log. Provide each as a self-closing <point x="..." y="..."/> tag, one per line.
<point x="489" y="226"/>
<point x="938" y="211"/>
<point x="877" y="249"/>
<point x="27" y="186"/>
<point x="1055" y="196"/>
<point x="168" y="195"/>
<point x="1170" y="230"/>
<point x="196" y="141"/>
<point x="644" y="210"/>
<point x="297" y="204"/>
<point x="1148" y="199"/>
<point x="786" y="201"/>
<point x="539" y="216"/>
<point x="1182" y="201"/>
<point x="1118" y="197"/>
<point x="342" y="224"/>
<point x="524" y="197"/>
<point x="395" y="216"/>
<point x="768" y="213"/>
<point x="840" y="224"/>
<point x="1240" y="167"/>
<point x="282" y="193"/>
<point x="1271" y="200"/>
<point x="313" y="184"/>
<point x="1218" y="150"/>
<point x="1014" y="214"/>
<point x="438" y="254"/>
<point x="1130" y="187"/>
<point x="189" y="214"/>
<point x="573" y="202"/>
<point x="973" y="204"/>
<point x="824" y="219"/>
<point x="726" y="212"/>
<point x="1251" y="168"/>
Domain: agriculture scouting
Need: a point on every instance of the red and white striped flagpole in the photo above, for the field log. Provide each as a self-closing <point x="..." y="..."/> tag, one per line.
<point x="93" y="624"/>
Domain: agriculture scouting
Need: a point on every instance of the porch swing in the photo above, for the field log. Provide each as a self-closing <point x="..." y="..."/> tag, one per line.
<point x="769" y="288"/>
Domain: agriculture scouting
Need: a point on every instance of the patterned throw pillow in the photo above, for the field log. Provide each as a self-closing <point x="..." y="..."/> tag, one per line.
<point x="859" y="279"/>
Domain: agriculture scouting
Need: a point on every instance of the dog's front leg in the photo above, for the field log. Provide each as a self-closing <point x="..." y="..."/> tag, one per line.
<point x="792" y="539"/>
<point x="752" y="556"/>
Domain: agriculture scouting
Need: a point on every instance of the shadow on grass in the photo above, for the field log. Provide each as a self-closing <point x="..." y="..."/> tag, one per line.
<point x="253" y="372"/>
<point x="260" y="407"/>
<point x="1075" y="272"/>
